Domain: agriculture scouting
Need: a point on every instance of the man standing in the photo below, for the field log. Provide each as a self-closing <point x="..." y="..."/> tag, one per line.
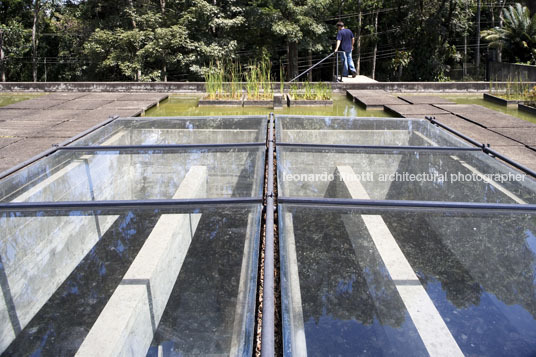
<point x="345" y="40"/>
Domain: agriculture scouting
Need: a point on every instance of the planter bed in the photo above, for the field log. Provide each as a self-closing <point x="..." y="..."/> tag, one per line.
<point x="502" y="101"/>
<point x="526" y="108"/>
<point x="220" y="102"/>
<point x="304" y="102"/>
<point x="259" y="103"/>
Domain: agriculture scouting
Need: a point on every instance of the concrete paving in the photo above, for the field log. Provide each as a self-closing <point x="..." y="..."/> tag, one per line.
<point x="30" y="127"/>
<point x="485" y="117"/>
<point x="425" y="99"/>
<point x="414" y="110"/>
<point x="526" y="136"/>
<point x="373" y="99"/>
<point x="358" y="79"/>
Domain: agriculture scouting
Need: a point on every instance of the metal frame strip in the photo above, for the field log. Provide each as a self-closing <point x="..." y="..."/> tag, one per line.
<point x="156" y="146"/>
<point x="379" y="147"/>
<point x="268" y="302"/>
<point x="21" y="206"/>
<point x="405" y="204"/>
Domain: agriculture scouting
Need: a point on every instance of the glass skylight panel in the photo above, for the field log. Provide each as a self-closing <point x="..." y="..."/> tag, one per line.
<point x="363" y="131"/>
<point x="403" y="282"/>
<point x="120" y="281"/>
<point x="177" y="131"/>
<point x="384" y="174"/>
<point x="138" y="174"/>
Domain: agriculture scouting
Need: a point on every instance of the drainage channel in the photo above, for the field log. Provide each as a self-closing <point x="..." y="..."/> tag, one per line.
<point x="268" y="341"/>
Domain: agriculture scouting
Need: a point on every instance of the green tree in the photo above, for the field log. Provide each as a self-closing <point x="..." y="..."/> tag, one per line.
<point x="13" y="47"/>
<point x="517" y="37"/>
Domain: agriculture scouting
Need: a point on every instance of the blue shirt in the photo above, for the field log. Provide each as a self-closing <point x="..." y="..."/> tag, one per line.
<point x="345" y="36"/>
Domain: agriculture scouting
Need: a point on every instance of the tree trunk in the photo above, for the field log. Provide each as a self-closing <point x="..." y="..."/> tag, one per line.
<point x="293" y="59"/>
<point x="465" y="55"/>
<point x="499" y="49"/>
<point x="310" y="64"/>
<point x="133" y="19"/>
<point x="34" y="39"/>
<point x="477" y="62"/>
<point x="164" y="70"/>
<point x="2" y="67"/>
<point x="163" y="6"/>
<point x="358" y="39"/>
<point x="376" y="15"/>
<point x="465" y="44"/>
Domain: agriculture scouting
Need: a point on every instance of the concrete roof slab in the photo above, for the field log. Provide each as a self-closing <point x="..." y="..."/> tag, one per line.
<point x="453" y="121"/>
<point x="156" y="97"/>
<point x="105" y="113"/>
<point x="26" y="148"/>
<point x="485" y="136"/>
<point x="5" y="141"/>
<point x="83" y="104"/>
<point x="104" y="95"/>
<point x="35" y="103"/>
<point x="366" y="93"/>
<point x="130" y="105"/>
<point x="414" y="109"/>
<point x="525" y="136"/>
<point x="9" y="114"/>
<point x="486" y="117"/>
<point x="65" y="95"/>
<point x="378" y="102"/>
<point x="520" y="154"/>
<point x="425" y="99"/>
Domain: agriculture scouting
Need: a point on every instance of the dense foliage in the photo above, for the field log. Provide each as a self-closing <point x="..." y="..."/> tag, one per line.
<point x="152" y="40"/>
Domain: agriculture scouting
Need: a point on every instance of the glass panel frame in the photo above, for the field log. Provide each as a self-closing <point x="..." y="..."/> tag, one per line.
<point x="151" y="174"/>
<point x="367" y="131"/>
<point x="500" y="305"/>
<point x="427" y="175"/>
<point x="162" y="130"/>
<point x="122" y="243"/>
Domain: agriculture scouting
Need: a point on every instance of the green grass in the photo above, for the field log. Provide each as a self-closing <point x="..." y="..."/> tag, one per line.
<point x="311" y="91"/>
<point x="10" y="98"/>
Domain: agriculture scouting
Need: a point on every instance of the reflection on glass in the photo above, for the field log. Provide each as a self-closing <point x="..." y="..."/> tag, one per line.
<point x="180" y="130"/>
<point x="83" y="281"/>
<point x="135" y="175"/>
<point x="363" y="131"/>
<point x="463" y="176"/>
<point x="343" y="295"/>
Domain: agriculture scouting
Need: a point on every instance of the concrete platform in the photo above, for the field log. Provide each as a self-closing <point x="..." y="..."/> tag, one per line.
<point x="414" y="110"/>
<point x="453" y="121"/>
<point x="374" y="99"/>
<point x="366" y="93"/>
<point x="526" y="136"/>
<point x="485" y="117"/>
<point x="35" y="103"/>
<point x="425" y="99"/>
<point x="83" y="104"/>
<point x="32" y="126"/>
<point x="358" y="79"/>
<point x="520" y="154"/>
<point x="485" y="136"/>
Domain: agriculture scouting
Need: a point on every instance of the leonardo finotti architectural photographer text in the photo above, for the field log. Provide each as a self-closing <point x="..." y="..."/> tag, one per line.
<point x="407" y="177"/>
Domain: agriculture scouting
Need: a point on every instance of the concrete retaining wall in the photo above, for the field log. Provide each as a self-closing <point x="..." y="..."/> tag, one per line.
<point x="199" y="87"/>
<point x="500" y="71"/>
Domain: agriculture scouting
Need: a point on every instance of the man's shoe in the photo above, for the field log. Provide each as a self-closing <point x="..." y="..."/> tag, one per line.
<point x="354" y="74"/>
